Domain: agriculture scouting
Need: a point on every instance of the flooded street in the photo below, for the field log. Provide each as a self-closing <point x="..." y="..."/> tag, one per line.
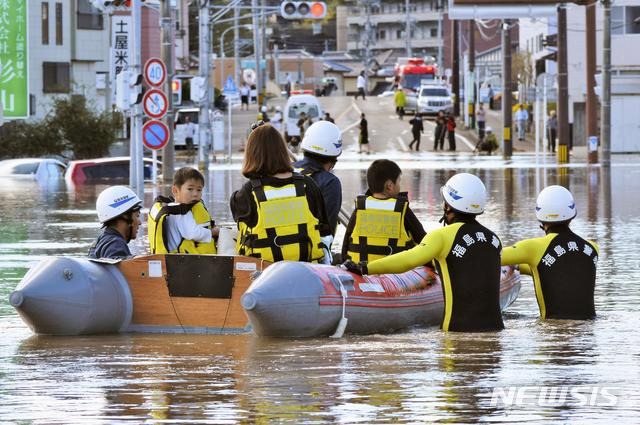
<point x="571" y="372"/>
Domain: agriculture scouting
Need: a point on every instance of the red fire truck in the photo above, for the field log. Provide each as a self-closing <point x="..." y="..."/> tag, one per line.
<point x="410" y="74"/>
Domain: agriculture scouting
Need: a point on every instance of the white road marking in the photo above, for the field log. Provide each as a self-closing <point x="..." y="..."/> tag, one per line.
<point x="402" y="144"/>
<point x="358" y="110"/>
<point x="350" y="126"/>
<point x="404" y="132"/>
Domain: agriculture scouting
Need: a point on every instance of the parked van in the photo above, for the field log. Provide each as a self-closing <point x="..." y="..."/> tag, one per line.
<point x="297" y="103"/>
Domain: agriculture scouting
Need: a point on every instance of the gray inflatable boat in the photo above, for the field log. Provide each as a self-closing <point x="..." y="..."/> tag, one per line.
<point x="292" y="299"/>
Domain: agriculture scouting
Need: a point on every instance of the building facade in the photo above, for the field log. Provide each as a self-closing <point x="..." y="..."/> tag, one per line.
<point x="388" y="27"/>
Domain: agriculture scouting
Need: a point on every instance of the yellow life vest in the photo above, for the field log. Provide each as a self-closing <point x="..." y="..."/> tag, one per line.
<point x="158" y="236"/>
<point x="286" y="228"/>
<point x="379" y="228"/>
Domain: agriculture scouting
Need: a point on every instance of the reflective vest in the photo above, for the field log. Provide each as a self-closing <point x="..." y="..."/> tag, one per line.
<point x="286" y="228"/>
<point x="158" y="233"/>
<point x="309" y="170"/>
<point x="379" y="228"/>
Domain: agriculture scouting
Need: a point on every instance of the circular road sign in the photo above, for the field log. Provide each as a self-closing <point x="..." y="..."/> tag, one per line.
<point x="155" y="134"/>
<point x="155" y="72"/>
<point x="155" y="103"/>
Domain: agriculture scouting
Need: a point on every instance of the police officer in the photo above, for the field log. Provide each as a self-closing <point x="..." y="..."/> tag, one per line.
<point x="118" y="210"/>
<point x="466" y="255"/>
<point x="563" y="264"/>
<point x="322" y="145"/>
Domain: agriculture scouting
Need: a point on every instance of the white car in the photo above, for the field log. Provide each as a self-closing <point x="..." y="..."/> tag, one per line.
<point x="181" y="127"/>
<point x="296" y="104"/>
<point x="433" y="99"/>
<point x="33" y="168"/>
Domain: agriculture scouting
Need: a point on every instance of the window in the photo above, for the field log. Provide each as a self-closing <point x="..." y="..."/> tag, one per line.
<point x="434" y="32"/>
<point x="625" y="20"/>
<point x="89" y="17"/>
<point x="55" y="77"/>
<point x="59" y="24"/>
<point x="45" y="23"/>
<point x="399" y="34"/>
<point x="382" y="35"/>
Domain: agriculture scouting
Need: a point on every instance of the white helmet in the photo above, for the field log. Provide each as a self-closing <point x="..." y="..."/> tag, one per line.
<point x="263" y="109"/>
<point x="115" y="201"/>
<point x="465" y="193"/>
<point x="555" y="204"/>
<point x="323" y="138"/>
<point x="489" y="129"/>
<point x="278" y="108"/>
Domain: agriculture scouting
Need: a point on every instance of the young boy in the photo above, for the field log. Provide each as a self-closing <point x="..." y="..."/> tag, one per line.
<point x="382" y="222"/>
<point x="184" y="225"/>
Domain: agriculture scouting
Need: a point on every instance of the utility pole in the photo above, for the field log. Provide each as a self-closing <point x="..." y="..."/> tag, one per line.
<point x="455" y="72"/>
<point x="440" y="41"/>
<point x="256" y="46"/>
<point x="507" y="141"/>
<point x="472" y="66"/>
<point x="168" y="153"/>
<point x="204" y="131"/>
<point x="606" y="85"/>
<point x="236" y="44"/>
<point x="592" y="102"/>
<point x="563" y="91"/>
<point x="263" y="52"/>
<point x="368" y="39"/>
<point x="136" y="173"/>
<point x="407" y="31"/>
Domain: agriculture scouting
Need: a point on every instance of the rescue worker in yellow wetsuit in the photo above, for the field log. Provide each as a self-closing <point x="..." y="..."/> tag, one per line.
<point x="562" y="264"/>
<point x="382" y="222"/>
<point x="466" y="255"/>
<point x="280" y="214"/>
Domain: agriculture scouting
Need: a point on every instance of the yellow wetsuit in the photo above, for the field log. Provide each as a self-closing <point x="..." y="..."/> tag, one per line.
<point x="467" y="256"/>
<point x="563" y="267"/>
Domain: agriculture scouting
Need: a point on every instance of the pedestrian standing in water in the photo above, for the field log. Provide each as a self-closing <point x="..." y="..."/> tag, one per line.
<point x="552" y="126"/>
<point x="481" y="119"/>
<point x="451" y="131"/>
<point x="417" y="128"/>
<point x="441" y="130"/>
<point x="363" y="140"/>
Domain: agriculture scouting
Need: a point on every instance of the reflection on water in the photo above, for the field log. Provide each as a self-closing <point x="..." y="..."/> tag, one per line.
<point x="418" y="376"/>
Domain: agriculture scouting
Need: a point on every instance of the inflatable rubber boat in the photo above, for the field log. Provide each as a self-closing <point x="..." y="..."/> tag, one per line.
<point x="292" y="299"/>
<point x="176" y="293"/>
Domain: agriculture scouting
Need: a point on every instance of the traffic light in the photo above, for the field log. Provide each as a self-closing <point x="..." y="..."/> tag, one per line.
<point x="176" y="90"/>
<point x="117" y="3"/>
<point x="128" y="89"/>
<point x="303" y="9"/>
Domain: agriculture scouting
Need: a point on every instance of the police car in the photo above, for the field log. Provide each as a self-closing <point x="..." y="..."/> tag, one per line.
<point x="433" y="98"/>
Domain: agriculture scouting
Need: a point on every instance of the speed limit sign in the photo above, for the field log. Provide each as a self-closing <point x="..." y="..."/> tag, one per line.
<point x="155" y="72"/>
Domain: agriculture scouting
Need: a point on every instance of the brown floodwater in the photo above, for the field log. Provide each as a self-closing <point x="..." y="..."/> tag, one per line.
<point x="532" y="372"/>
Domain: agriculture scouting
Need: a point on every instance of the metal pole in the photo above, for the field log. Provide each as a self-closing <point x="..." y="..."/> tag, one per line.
<point x="136" y="176"/>
<point x="606" y="85"/>
<point x="236" y="44"/>
<point x="507" y="144"/>
<point x="472" y="67"/>
<point x="440" y="39"/>
<point x="407" y="35"/>
<point x="367" y="42"/>
<point x="168" y="153"/>
<point x="204" y="69"/>
<point x="256" y="47"/>
<point x="455" y="72"/>
<point x="592" y="102"/>
<point x="229" y="107"/>
<point x="563" y="91"/>
<point x="276" y="65"/>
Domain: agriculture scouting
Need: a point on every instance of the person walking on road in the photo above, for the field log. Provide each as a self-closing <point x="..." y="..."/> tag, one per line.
<point x="361" y="84"/>
<point x="552" y="126"/>
<point x="400" y="98"/>
<point x="363" y="140"/>
<point x="441" y="130"/>
<point x="451" y="131"/>
<point x="481" y="119"/>
<point x="327" y="117"/>
<point x="245" y="91"/>
<point x="490" y="94"/>
<point x="522" y="117"/>
<point x="276" y="121"/>
<point x="417" y="128"/>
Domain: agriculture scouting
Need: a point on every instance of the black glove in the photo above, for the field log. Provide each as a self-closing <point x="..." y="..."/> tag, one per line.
<point x="357" y="268"/>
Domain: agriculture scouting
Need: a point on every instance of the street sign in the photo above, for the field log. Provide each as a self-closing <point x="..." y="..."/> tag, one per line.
<point x="14" y="58"/>
<point x="229" y="86"/>
<point x="155" y="134"/>
<point x="155" y="103"/>
<point x="155" y="72"/>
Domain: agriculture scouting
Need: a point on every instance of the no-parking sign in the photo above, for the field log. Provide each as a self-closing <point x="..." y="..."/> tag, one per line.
<point x="155" y="134"/>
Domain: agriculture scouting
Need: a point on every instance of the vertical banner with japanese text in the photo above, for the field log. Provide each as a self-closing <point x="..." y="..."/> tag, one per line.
<point x="121" y="52"/>
<point x="14" y="77"/>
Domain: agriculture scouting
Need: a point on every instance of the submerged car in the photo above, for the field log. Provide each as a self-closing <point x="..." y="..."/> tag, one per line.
<point x="35" y="168"/>
<point x="101" y="169"/>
